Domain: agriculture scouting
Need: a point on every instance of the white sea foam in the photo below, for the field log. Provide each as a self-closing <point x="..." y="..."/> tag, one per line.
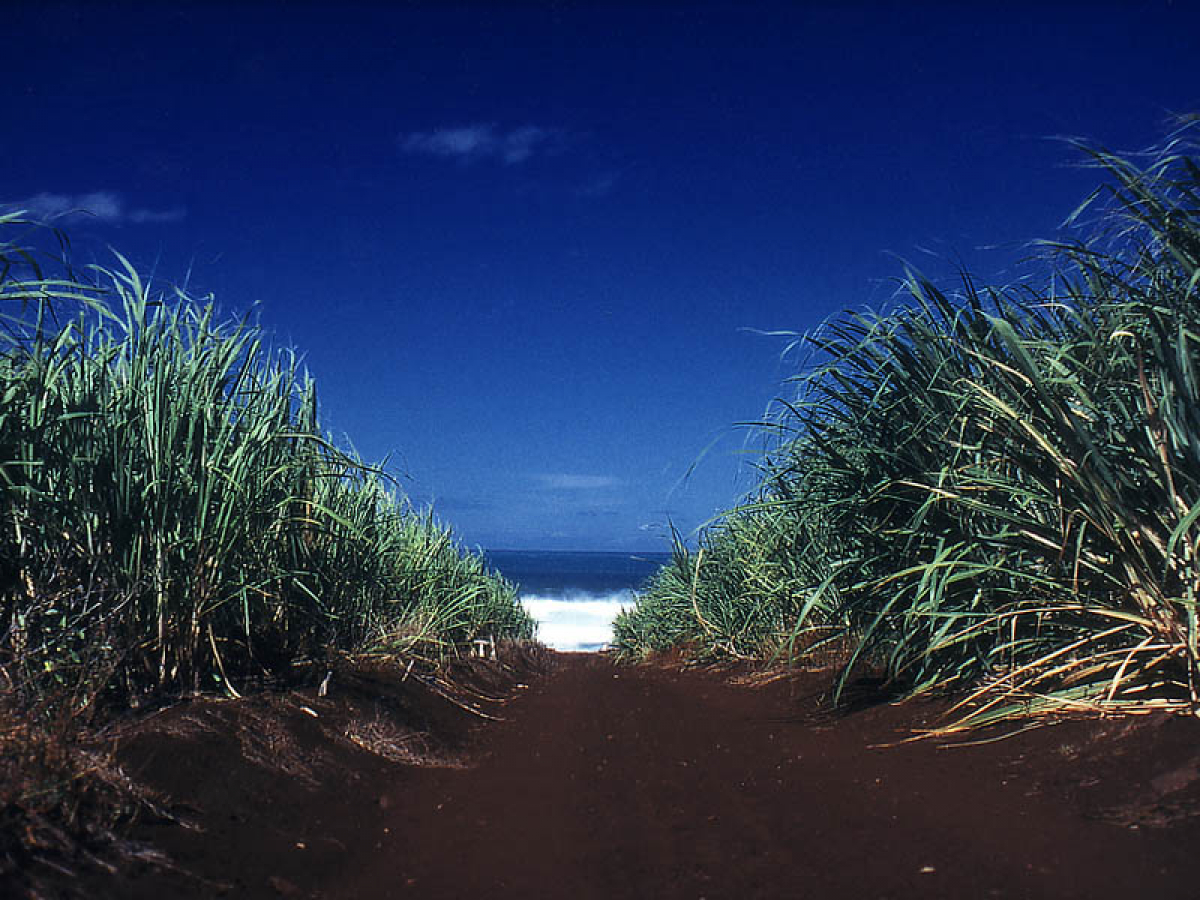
<point x="576" y="620"/>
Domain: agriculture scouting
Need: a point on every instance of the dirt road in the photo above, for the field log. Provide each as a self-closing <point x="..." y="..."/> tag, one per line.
<point x="651" y="782"/>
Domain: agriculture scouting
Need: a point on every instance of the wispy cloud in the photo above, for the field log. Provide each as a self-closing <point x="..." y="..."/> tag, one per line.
<point x="599" y="186"/>
<point x="106" y="206"/>
<point x="565" y="482"/>
<point x="141" y="216"/>
<point x="485" y="140"/>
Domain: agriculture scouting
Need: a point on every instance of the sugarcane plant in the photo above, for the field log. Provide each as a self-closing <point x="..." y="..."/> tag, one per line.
<point x="172" y="517"/>
<point x="992" y="490"/>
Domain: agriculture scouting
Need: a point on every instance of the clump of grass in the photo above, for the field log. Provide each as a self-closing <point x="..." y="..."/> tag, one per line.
<point x="737" y="597"/>
<point x="995" y="490"/>
<point x="172" y="519"/>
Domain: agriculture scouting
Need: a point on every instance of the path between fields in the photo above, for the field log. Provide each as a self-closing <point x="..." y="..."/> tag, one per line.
<point x="651" y="782"/>
<point x="648" y="782"/>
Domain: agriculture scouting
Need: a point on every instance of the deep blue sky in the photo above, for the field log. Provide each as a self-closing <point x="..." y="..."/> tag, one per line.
<point x="524" y="247"/>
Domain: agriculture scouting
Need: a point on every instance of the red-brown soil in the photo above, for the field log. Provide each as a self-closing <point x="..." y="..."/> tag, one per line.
<point x="650" y="782"/>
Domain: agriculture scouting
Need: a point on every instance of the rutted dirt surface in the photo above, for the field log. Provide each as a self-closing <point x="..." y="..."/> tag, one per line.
<point x="617" y="782"/>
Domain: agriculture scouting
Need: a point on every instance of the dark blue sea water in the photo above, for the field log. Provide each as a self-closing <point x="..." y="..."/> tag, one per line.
<point x="575" y="595"/>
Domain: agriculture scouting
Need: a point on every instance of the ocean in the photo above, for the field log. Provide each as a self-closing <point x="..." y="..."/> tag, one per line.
<point x="575" y="595"/>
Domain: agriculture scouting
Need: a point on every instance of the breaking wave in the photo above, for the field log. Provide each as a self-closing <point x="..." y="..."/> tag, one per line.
<point x="576" y="621"/>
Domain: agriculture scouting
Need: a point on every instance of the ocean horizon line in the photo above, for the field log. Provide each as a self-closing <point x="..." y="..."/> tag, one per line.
<point x="560" y="550"/>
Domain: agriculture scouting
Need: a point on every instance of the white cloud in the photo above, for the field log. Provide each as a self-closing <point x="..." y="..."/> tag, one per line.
<point x="565" y="482"/>
<point x="106" y="206"/>
<point x="519" y="144"/>
<point x="599" y="186"/>
<point x="174" y="214"/>
<point x="470" y="143"/>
